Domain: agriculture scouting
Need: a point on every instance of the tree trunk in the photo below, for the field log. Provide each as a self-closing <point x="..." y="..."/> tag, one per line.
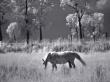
<point x="40" y="33"/>
<point x="94" y="38"/>
<point x="71" y="38"/>
<point x="70" y="34"/>
<point x="26" y="20"/>
<point x="27" y="36"/>
<point x="93" y="33"/>
<point x="1" y="38"/>
<point x="80" y="29"/>
<point x="14" y="38"/>
<point x="106" y="35"/>
<point x="76" y="33"/>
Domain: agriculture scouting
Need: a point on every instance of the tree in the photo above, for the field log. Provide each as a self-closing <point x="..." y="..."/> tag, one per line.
<point x="93" y="24"/>
<point x="72" y="24"/>
<point x="83" y="17"/>
<point x="1" y="22"/>
<point x="13" y="31"/>
<point x="26" y="21"/>
<point x="34" y="14"/>
<point x="20" y="9"/>
<point x="3" y="9"/>
<point x="79" y="7"/>
<point x="40" y="13"/>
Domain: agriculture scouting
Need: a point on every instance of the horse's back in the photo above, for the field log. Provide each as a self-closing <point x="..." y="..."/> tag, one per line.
<point x="59" y="57"/>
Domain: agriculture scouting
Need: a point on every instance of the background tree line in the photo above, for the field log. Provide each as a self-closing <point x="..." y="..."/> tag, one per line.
<point x="28" y="16"/>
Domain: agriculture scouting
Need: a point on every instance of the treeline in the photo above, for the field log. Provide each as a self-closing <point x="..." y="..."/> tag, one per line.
<point x="29" y="15"/>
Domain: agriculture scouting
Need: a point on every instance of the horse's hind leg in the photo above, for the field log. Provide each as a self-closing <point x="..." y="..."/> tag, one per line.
<point x="55" y="66"/>
<point x="70" y="65"/>
<point x="52" y="67"/>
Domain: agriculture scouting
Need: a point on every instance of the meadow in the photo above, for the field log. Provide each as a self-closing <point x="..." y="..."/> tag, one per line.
<point x="21" y="63"/>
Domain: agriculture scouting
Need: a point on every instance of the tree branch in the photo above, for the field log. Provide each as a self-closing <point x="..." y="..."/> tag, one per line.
<point x="73" y="7"/>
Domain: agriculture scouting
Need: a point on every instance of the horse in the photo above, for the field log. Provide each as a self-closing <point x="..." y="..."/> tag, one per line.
<point x="62" y="58"/>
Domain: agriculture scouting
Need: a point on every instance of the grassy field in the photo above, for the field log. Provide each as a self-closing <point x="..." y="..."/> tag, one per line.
<point x="20" y="66"/>
<point x="23" y="67"/>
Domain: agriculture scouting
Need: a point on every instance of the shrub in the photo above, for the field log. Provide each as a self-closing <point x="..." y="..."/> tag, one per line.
<point x="101" y="46"/>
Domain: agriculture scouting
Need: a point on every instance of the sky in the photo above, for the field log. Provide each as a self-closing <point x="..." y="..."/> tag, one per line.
<point x="57" y="17"/>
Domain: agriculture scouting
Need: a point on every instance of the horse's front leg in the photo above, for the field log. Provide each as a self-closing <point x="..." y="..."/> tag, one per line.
<point x="54" y="66"/>
<point x="73" y="65"/>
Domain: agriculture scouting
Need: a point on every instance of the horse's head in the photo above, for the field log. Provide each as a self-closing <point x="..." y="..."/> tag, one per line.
<point x="44" y="63"/>
<point x="46" y="60"/>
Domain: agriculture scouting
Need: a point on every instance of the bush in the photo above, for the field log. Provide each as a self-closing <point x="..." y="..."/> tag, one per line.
<point x="2" y="50"/>
<point x="61" y="45"/>
<point x="101" y="46"/>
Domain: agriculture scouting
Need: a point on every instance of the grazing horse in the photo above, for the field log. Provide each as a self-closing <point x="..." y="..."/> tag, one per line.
<point x="62" y="58"/>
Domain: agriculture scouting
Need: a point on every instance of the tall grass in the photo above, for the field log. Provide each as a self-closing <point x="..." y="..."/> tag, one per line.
<point x="15" y="72"/>
<point x="59" y="45"/>
<point x="27" y="67"/>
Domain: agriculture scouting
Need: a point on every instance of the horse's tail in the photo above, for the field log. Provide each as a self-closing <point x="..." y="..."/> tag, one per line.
<point x="80" y="59"/>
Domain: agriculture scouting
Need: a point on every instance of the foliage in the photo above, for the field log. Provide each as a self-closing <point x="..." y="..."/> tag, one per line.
<point x="59" y="45"/>
<point x="92" y="24"/>
<point x="13" y="30"/>
<point x="80" y="7"/>
<point x="83" y="18"/>
<point x="37" y="10"/>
